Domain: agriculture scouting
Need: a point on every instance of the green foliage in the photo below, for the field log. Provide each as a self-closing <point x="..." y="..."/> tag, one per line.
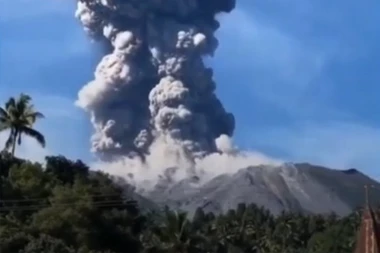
<point x="65" y="170"/>
<point x="19" y="116"/>
<point x="62" y="207"/>
<point x="47" y="244"/>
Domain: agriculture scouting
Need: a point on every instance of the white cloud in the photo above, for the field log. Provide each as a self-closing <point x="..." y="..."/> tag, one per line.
<point x="334" y="144"/>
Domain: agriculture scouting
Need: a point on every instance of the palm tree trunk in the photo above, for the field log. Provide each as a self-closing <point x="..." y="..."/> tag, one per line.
<point x="14" y="143"/>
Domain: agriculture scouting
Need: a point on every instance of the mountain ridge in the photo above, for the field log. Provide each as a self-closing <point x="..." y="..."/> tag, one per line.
<point x="296" y="187"/>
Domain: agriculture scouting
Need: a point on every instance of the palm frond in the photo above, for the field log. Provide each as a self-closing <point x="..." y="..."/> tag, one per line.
<point x="10" y="103"/>
<point x="32" y="116"/>
<point x="19" y="113"/>
<point x="5" y="119"/>
<point x="22" y="103"/>
<point x="34" y="134"/>
<point x="3" y="113"/>
<point x="11" y="109"/>
<point x="4" y="126"/>
<point x="37" y="115"/>
<point x="24" y="99"/>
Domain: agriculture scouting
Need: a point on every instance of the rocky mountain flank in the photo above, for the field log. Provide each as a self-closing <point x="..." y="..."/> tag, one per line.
<point x="291" y="187"/>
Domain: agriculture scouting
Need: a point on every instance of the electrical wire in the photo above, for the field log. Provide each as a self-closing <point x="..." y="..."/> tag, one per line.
<point x="14" y="204"/>
<point x="39" y="207"/>
<point x="42" y="199"/>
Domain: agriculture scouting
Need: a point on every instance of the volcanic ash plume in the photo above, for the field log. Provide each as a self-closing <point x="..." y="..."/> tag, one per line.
<point x="152" y="84"/>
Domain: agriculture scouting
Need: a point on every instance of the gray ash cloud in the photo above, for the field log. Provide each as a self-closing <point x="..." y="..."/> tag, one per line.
<point x="152" y="84"/>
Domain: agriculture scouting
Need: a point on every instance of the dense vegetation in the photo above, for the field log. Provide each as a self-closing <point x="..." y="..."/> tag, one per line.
<point x="63" y="207"/>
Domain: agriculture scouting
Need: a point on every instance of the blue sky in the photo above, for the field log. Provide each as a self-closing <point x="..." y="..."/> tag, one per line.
<point x="302" y="77"/>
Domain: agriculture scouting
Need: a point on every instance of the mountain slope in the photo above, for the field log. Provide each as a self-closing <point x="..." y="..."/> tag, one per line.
<point x="290" y="187"/>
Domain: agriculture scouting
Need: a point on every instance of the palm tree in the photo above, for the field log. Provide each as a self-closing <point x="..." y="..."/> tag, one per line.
<point x="174" y="234"/>
<point x="18" y="116"/>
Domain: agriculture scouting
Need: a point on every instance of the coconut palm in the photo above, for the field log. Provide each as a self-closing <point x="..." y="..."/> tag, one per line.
<point x="18" y="116"/>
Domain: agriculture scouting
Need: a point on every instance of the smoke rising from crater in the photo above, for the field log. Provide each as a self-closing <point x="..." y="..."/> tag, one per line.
<point x="152" y="85"/>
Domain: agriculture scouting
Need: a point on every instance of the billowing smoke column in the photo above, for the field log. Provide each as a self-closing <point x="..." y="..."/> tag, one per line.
<point x="153" y="85"/>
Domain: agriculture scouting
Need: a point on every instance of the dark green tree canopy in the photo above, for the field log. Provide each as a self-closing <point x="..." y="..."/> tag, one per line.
<point x="64" y="207"/>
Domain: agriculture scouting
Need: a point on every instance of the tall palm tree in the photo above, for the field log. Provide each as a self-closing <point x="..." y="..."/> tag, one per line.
<point x="18" y="116"/>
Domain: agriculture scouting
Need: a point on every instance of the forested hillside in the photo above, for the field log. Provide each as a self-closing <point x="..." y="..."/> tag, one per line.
<point x="62" y="207"/>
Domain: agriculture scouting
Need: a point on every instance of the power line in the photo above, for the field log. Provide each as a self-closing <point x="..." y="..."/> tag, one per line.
<point x="40" y="203"/>
<point x="109" y="203"/>
<point x="39" y="207"/>
<point x="46" y="199"/>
